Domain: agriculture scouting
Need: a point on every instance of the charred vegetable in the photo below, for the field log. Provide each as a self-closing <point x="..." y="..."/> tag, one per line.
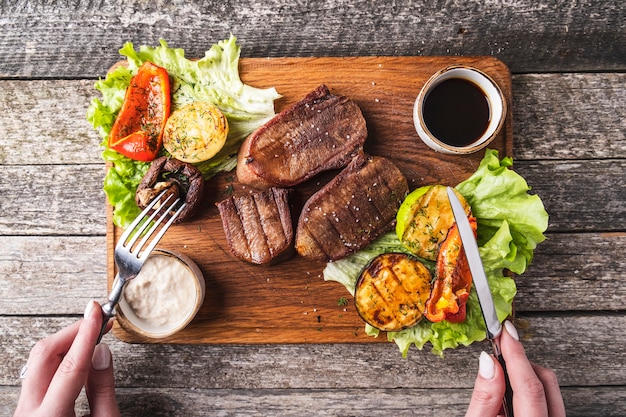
<point x="426" y="227"/>
<point x="392" y="290"/>
<point x="195" y="132"/>
<point x="138" y="129"/>
<point x="424" y="219"/>
<point x="178" y="177"/>
<point x="453" y="280"/>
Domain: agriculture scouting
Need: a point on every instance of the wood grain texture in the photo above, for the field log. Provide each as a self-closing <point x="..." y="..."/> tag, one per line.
<point x="81" y="38"/>
<point x="68" y="205"/>
<point x="51" y="274"/>
<point x="568" y="61"/>
<point x="549" y="339"/>
<point x="549" y="110"/>
<point x="334" y="379"/>
<point x="62" y="274"/>
<point x="151" y="402"/>
<point x="569" y="116"/>
<point x="290" y="302"/>
<point x="45" y="123"/>
<point x="80" y="211"/>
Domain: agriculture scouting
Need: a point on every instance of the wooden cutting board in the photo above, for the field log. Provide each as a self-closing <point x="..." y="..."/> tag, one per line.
<point x="290" y="302"/>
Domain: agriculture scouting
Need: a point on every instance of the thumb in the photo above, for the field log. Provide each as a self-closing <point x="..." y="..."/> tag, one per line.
<point x="488" y="388"/>
<point x="100" y="385"/>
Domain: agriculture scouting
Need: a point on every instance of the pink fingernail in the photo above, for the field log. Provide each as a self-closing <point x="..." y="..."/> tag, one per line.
<point x="510" y="328"/>
<point x="101" y="358"/>
<point x="89" y="308"/>
<point x="486" y="366"/>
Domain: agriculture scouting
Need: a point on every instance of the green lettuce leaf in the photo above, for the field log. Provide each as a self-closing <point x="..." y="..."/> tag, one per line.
<point x="511" y="223"/>
<point x="213" y="78"/>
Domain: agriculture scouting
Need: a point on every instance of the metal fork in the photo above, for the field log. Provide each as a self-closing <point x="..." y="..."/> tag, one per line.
<point x="130" y="256"/>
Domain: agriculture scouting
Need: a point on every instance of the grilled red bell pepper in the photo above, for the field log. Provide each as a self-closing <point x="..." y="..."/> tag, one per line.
<point x="453" y="280"/>
<point x="138" y="130"/>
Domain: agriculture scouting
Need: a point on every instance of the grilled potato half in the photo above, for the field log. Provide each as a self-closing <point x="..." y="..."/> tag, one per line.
<point x="424" y="219"/>
<point x="391" y="291"/>
<point x="195" y="132"/>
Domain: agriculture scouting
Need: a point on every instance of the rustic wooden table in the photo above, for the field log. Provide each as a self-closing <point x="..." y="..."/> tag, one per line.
<point x="567" y="60"/>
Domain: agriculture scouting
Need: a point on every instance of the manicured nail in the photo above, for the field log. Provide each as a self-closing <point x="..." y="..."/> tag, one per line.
<point x="510" y="328"/>
<point x="101" y="358"/>
<point x="89" y="308"/>
<point x="486" y="366"/>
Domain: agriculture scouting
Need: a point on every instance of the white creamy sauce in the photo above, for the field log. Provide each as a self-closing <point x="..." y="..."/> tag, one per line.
<point x="163" y="293"/>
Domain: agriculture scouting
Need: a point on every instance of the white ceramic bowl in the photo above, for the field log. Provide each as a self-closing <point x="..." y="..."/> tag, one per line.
<point x="495" y="98"/>
<point x="157" y="304"/>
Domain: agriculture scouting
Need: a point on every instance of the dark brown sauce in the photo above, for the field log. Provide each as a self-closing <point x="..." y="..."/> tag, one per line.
<point x="456" y="112"/>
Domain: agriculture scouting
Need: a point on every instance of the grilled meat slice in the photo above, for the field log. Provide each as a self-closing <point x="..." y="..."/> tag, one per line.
<point x="258" y="226"/>
<point x="352" y="210"/>
<point x="320" y="132"/>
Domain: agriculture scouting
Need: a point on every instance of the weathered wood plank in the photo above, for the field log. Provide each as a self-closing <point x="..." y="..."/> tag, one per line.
<point x="44" y="122"/>
<point x="548" y="120"/>
<point x="81" y="39"/>
<point x="552" y="340"/>
<point x="70" y="200"/>
<point x="371" y="402"/>
<point x="77" y="201"/>
<point x="569" y="116"/>
<point x="575" y="271"/>
<point x="563" y="185"/>
<point x="58" y="275"/>
<point x="61" y="274"/>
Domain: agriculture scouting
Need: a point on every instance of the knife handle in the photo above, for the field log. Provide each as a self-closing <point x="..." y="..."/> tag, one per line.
<point x="507" y="401"/>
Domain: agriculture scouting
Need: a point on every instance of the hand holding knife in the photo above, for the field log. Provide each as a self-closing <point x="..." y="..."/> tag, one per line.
<point x="494" y="327"/>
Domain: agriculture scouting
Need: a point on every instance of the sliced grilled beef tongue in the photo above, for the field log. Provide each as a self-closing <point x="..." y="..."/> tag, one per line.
<point x="320" y="132"/>
<point x="352" y="210"/>
<point x="178" y="177"/>
<point x="258" y="226"/>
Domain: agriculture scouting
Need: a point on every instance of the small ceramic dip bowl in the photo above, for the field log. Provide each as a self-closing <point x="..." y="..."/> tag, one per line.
<point x="164" y="297"/>
<point x="459" y="110"/>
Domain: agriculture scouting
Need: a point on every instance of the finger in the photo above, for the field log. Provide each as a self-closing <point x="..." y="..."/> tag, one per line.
<point x="73" y="370"/>
<point x="109" y="325"/>
<point x="529" y="398"/>
<point x="556" y="407"/>
<point x="488" y="389"/>
<point x="43" y="361"/>
<point x="101" y="384"/>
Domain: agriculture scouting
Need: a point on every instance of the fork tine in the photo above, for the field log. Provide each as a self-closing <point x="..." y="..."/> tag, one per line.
<point x="138" y="220"/>
<point x="146" y="252"/>
<point x="158" y="217"/>
<point x="157" y="212"/>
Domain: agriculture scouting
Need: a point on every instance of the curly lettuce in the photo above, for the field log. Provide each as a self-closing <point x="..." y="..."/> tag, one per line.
<point x="511" y="223"/>
<point x="213" y="78"/>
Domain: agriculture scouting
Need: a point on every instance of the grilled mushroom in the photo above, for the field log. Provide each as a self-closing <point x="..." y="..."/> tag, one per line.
<point x="177" y="177"/>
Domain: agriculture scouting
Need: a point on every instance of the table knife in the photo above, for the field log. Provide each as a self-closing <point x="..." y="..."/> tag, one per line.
<point x="494" y="327"/>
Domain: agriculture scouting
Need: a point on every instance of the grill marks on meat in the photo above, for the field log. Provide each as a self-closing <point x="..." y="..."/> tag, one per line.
<point x="320" y="132"/>
<point x="258" y="226"/>
<point x="352" y="210"/>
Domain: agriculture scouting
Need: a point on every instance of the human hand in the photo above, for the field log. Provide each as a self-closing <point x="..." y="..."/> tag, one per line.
<point x="60" y="365"/>
<point x="536" y="391"/>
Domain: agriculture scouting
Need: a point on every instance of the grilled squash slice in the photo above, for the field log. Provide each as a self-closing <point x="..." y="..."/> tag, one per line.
<point x="453" y="280"/>
<point x="195" y="132"/>
<point x="392" y="290"/>
<point x="424" y="219"/>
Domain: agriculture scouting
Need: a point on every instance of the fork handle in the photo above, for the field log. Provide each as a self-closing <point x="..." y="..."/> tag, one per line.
<point x="108" y="308"/>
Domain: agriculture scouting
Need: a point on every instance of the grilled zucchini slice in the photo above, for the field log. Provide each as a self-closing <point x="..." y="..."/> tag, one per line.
<point x="392" y="290"/>
<point x="424" y="218"/>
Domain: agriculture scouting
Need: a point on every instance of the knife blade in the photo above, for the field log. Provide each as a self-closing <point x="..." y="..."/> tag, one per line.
<point x="485" y="299"/>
